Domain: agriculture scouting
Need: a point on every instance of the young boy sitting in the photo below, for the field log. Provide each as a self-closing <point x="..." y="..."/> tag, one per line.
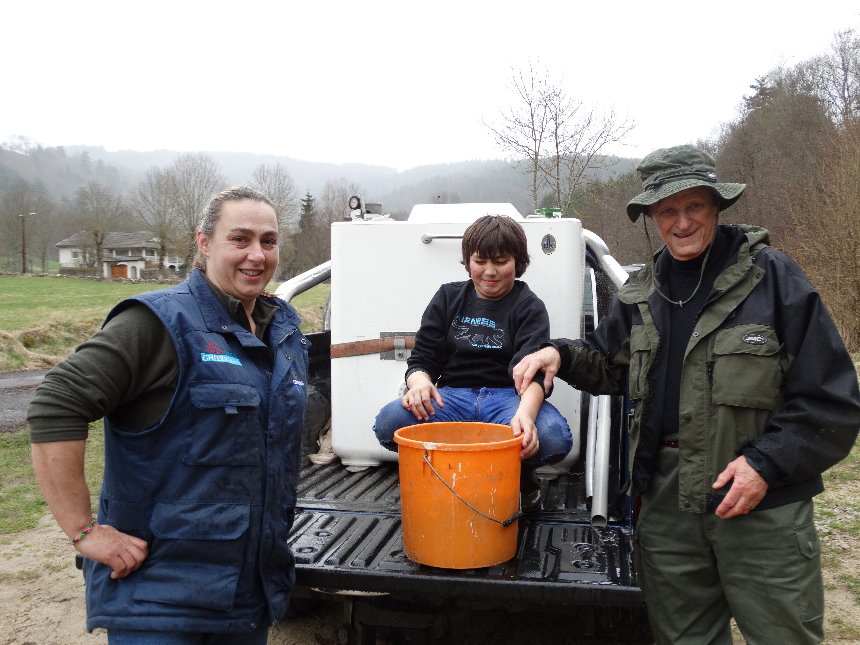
<point x="472" y="334"/>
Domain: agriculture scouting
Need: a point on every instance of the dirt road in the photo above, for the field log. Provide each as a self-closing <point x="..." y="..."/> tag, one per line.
<point x="16" y="390"/>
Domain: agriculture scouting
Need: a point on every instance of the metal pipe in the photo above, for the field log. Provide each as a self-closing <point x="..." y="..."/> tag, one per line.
<point x="429" y="237"/>
<point x="609" y="264"/>
<point x="304" y="281"/>
<point x="590" y="439"/>
<point x="600" y="497"/>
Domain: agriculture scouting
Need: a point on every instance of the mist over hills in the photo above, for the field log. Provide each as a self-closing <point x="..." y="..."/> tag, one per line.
<point x="61" y="171"/>
<point x="470" y="181"/>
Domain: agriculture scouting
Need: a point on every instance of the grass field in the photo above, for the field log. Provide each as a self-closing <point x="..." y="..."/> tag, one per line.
<point x="26" y="302"/>
<point x="42" y="319"/>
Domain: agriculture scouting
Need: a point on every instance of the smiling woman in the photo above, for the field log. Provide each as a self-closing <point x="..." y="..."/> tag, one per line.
<point x="239" y="252"/>
<point x="209" y="375"/>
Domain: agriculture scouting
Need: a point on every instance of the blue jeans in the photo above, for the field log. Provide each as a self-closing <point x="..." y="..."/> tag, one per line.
<point x="488" y="405"/>
<point x="128" y="637"/>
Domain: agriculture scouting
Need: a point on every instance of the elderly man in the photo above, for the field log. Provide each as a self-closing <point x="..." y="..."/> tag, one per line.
<point x="743" y="395"/>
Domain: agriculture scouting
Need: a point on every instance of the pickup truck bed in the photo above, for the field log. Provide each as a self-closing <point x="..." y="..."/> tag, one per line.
<point x="347" y="536"/>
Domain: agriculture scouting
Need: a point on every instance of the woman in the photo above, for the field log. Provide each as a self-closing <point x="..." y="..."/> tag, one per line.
<point x="472" y="333"/>
<point x="202" y="389"/>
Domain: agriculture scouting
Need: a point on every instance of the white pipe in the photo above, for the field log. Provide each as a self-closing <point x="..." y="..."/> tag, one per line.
<point x="304" y="281"/>
<point x="590" y="439"/>
<point x="600" y="496"/>
<point x="611" y="267"/>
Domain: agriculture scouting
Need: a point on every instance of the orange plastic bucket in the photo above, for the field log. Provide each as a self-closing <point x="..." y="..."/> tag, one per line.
<point x="459" y="493"/>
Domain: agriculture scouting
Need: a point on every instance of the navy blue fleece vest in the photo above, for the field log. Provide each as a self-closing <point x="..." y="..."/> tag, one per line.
<point x="212" y="486"/>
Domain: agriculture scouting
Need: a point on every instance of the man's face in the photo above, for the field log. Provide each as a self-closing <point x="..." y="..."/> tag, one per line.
<point x="687" y="221"/>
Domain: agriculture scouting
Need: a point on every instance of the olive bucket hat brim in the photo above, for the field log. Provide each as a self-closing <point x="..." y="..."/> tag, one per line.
<point x="667" y="171"/>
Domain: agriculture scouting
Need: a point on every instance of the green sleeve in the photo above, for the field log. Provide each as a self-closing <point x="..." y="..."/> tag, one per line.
<point x="127" y="369"/>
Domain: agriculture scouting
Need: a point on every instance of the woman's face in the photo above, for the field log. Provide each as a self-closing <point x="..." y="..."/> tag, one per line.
<point x="687" y="221"/>
<point x="242" y="252"/>
<point x="492" y="277"/>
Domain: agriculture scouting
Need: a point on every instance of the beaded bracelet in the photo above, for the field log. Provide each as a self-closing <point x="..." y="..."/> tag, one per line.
<point x="85" y="532"/>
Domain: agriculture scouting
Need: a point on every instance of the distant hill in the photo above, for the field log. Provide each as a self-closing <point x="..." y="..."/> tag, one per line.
<point x="397" y="191"/>
<point x="61" y="171"/>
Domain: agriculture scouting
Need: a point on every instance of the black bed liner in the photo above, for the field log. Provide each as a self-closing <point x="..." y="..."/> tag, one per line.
<point x="347" y="537"/>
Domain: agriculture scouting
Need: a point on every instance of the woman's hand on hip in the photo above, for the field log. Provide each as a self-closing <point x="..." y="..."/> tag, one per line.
<point x="121" y="552"/>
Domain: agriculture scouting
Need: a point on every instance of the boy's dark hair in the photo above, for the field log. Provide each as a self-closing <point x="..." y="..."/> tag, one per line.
<point x="493" y="236"/>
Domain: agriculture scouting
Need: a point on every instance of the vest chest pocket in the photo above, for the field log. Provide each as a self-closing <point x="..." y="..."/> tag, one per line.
<point x="747" y="369"/>
<point x="225" y="427"/>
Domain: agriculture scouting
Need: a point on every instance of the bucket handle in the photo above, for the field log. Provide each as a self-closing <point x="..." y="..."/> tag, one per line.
<point x="513" y="518"/>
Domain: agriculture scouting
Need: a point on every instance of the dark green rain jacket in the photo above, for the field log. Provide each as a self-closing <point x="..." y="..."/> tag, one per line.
<point x="765" y="375"/>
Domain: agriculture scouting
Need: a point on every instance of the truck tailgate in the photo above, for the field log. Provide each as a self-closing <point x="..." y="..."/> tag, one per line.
<point x="347" y="537"/>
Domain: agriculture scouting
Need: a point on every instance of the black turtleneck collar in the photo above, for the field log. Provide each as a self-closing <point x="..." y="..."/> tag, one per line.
<point x="667" y="263"/>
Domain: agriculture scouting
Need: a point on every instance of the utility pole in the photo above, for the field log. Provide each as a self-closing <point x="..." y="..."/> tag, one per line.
<point x="24" y="242"/>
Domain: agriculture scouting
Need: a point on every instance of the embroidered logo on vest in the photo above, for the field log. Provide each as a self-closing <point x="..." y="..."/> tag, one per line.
<point x="754" y="339"/>
<point x="220" y="358"/>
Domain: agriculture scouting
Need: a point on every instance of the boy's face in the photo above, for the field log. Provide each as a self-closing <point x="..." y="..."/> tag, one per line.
<point x="492" y="277"/>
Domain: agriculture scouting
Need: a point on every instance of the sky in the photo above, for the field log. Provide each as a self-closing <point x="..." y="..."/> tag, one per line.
<point x="397" y="84"/>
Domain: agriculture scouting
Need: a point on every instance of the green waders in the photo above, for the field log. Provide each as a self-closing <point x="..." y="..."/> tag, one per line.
<point x="698" y="570"/>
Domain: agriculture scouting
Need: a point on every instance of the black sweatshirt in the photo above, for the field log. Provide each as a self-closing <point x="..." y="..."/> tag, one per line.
<point x="473" y="342"/>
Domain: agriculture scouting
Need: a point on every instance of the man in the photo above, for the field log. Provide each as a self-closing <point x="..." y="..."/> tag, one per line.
<point x="743" y="395"/>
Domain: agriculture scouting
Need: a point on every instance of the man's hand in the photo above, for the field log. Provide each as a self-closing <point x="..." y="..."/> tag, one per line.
<point x="547" y="359"/>
<point x="121" y="552"/>
<point x="748" y="489"/>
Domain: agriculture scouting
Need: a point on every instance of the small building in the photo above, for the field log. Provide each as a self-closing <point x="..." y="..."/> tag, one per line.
<point x="124" y="255"/>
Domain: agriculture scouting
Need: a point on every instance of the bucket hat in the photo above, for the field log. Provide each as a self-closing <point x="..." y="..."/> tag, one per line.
<point x="667" y="171"/>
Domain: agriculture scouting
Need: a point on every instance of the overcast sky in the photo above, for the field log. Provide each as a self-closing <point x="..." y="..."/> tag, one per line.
<point x="398" y="84"/>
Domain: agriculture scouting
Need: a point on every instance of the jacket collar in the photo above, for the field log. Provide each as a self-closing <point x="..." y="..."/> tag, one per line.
<point x="742" y="239"/>
<point x="218" y="318"/>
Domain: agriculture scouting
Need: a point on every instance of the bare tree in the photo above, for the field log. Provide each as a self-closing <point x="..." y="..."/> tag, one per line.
<point x="523" y="127"/>
<point x="561" y="141"/>
<point x="578" y="137"/>
<point x="195" y="179"/>
<point x="773" y="147"/>
<point x="276" y="183"/>
<point x="835" y="77"/>
<point x="154" y="206"/>
<point x="43" y="229"/>
<point x="100" y="211"/>
<point x="827" y="245"/>
<point x="334" y="201"/>
<point x="18" y="228"/>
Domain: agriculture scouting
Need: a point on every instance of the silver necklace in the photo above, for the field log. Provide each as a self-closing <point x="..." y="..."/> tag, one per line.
<point x="681" y="303"/>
